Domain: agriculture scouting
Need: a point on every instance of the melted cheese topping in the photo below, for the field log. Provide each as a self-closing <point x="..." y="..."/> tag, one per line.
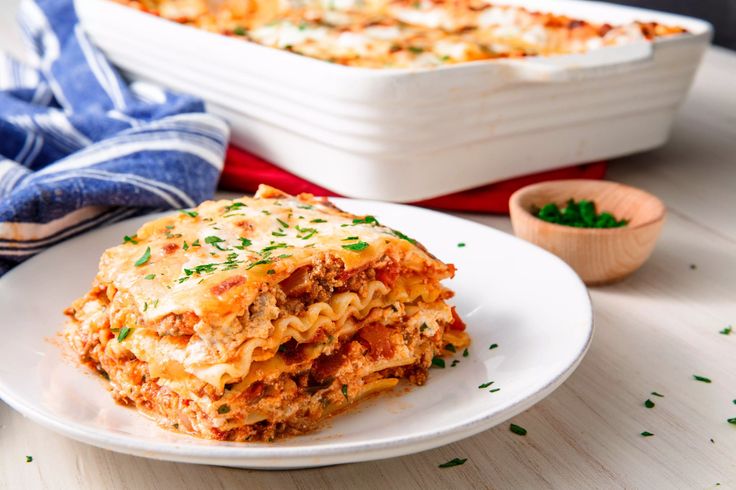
<point x="399" y="33"/>
<point x="215" y="260"/>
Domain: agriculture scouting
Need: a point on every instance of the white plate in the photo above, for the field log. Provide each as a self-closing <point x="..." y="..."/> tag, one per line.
<point x="508" y="291"/>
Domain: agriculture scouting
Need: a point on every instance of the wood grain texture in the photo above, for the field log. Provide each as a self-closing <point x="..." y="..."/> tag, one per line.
<point x="654" y="331"/>
<point x="599" y="256"/>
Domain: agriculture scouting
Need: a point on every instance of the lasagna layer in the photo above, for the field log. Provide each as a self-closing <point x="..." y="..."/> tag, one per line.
<point x="262" y="345"/>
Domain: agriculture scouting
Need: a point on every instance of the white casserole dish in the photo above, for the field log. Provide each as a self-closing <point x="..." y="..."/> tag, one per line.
<point x="410" y="134"/>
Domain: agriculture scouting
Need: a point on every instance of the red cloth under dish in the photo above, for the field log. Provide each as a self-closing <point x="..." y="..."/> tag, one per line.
<point x="244" y="171"/>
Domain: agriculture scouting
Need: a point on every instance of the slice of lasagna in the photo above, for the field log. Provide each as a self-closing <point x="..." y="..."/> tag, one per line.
<point x="259" y="317"/>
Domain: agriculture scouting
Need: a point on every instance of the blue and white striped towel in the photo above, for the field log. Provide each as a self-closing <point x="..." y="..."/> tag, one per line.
<point x="80" y="148"/>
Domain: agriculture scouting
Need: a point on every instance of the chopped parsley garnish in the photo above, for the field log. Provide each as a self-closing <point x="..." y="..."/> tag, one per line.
<point x="726" y="331"/>
<point x="450" y="347"/>
<point x="235" y="205"/>
<point x="460" y="245"/>
<point x="466" y="353"/>
<point x="244" y="242"/>
<point x="305" y="233"/>
<point x="344" y="390"/>
<point x="195" y="243"/>
<point x="123" y="333"/>
<point x="130" y="239"/>
<point x="646" y="434"/>
<point x="657" y="394"/>
<point x="145" y="305"/>
<point x="356" y="247"/>
<point x="201" y="268"/>
<point x="425" y="327"/>
<point x="701" y="378"/>
<point x="270" y="271"/>
<point x="416" y="49"/>
<point x="239" y="31"/>
<point x="398" y="234"/>
<point x="274" y="247"/>
<point x="649" y="403"/>
<point x="185" y="246"/>
<point x="453" y="462"/>
<point x="215" y="241"/>
<point x="260" y="262"/>
<point x="144" y="258"/>
<point x="284" y="224"/>
<point x="191" y="214"/>
<point x="306" y="206"/>
<point x="485" y="385"/>
<point x="350" y="238"/>
<point x="367" y="220"/>
<point x="150" y="277"/>
<point x="318" y="220"/>
<point x="493" y="346"/>
<point x="438" y="361"/>
<point x="223" y="409"/>
<point x="266" y="212"/>
<point x="517" y="429"/>
<point x="278" y="233"/>
<point x="29" y="459"/>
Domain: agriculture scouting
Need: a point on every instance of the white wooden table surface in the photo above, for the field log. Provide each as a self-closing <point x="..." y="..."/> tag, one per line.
<point x="653" y="332"/>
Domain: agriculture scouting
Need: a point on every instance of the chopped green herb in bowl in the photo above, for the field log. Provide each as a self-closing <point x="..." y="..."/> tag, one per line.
<point x="580" y="214"/>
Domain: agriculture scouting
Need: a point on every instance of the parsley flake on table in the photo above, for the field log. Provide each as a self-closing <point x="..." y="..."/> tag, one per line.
<point x="460" y="245"/>
<point x="517" y="429"/>
<point x="144" y="258"/>
<point x="485" y="385"/>
<point x="649" y="403"/>
<point x="657" y="394"/>
<point x="494" y="390"/>
<point x="455" y="362"/>
<point x="731" y="420"/>
<point x="646" y="434"/>
<point x="29" y="459"/>
<point x="453" y="462"/>
<point x="356" y="247"/>
<point x="466" y="353"/>
<point x="123" y="333"/>
<point x="726" y="331"/>
<point x="493" y="346"/>
<point x="701" y="378"/>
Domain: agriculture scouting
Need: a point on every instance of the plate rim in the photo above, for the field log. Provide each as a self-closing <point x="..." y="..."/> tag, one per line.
<point x="281" y="457"/>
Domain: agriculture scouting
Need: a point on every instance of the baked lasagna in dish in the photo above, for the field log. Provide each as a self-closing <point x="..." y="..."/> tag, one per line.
<point x="256" y="318"/>
<point x="400" y="33"/>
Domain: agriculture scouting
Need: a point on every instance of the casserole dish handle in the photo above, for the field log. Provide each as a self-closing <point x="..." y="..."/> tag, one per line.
<point x="597" y="63"/>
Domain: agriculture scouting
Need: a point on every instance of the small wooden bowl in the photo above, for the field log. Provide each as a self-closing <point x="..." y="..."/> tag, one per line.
<point x="599" y="256"/>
